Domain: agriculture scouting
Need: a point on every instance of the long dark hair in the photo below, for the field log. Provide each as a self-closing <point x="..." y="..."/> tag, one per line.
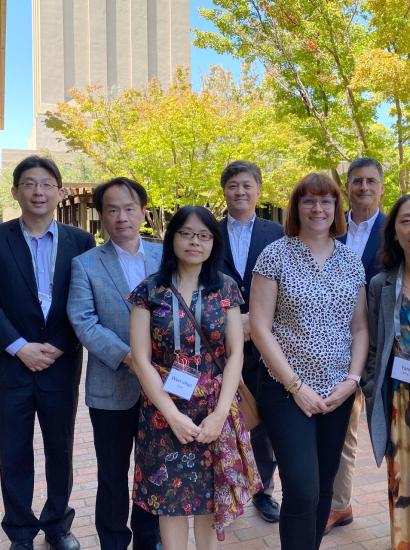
<point x="209" y="277"/>
<point x="391" y="253"/>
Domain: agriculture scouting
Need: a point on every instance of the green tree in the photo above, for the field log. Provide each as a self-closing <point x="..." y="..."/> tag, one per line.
<point x="308" y="50"/>
<point x="384" y="72"/>
<point x="177" y="142"/>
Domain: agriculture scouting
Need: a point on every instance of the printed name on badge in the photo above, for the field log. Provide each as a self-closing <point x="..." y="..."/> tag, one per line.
<point x="181" y="383"/>
<point x="401" y="369"/>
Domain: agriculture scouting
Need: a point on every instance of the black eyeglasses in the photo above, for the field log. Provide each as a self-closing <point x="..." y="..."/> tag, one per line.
<point x="189" y="235"/>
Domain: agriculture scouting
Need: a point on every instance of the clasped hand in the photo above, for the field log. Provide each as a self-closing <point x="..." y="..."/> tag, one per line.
<point x="38" y="357"/>
<point x="340" y="393"/>
<point x="187" y="431"/>
<point x="312" y="403"/>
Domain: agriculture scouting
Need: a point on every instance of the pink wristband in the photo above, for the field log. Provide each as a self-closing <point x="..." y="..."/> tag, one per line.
<point x="354" y="377"/>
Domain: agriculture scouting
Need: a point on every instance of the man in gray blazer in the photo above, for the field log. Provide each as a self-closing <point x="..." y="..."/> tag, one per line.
<point x="99" y="312"/>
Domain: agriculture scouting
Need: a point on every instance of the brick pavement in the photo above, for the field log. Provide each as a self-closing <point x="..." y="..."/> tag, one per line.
<point x="369" y="531"/>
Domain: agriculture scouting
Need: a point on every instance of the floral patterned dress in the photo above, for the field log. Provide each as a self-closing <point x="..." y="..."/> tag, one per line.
<point x="398" y="451"/>
<point x="172" y="478"/>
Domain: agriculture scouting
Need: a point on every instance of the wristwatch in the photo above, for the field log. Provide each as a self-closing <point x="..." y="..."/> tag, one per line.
<point x="354" y="377"/>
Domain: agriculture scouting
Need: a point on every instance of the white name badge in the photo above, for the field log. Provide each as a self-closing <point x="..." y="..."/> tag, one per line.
<point x="401" y="369"/>
<point x="181" y="383"/>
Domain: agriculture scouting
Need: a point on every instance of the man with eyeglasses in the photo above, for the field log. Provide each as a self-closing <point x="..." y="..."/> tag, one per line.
<point x="245" y="237"/>
<point x="364" y="187"/>
<point x="99" y="311"/>
<point x="40" y="356"/>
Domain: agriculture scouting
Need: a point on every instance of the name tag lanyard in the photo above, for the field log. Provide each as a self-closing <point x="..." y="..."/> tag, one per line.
<point x="53" y="257"/>
<point x="401" y="365"/>
<point x="183" y="379"/>
<point x="177" y="327"/>
<point x="399" y="300"/>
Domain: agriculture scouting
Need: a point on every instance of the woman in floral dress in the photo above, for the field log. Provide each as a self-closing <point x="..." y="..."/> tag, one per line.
<point x="388" y="368"/>
<point x="179" y="452"/>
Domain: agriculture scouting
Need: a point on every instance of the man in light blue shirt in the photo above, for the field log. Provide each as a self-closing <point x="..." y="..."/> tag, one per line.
<point x="245" y="237"/>
<point x="40" y="357"/>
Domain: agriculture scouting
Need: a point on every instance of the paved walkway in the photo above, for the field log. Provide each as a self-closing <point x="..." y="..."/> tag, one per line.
<point x="370" y="529"/>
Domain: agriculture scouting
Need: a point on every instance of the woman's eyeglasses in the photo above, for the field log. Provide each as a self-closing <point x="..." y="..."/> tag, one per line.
<point x="327" y="203"/>
<point x="189" y="235"/>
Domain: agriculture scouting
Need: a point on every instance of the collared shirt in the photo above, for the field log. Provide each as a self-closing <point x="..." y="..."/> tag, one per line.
<point x="132" y="265"/>
<point x="314" y="308"/>
<point x="358" y="234"/>
<point x="240" y="234"/>
<point x="41" y="251"/>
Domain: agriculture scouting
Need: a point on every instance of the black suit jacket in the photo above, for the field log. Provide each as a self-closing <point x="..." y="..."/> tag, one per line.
<point x="370" y="254"/>
<point x="20" y="309"/>
<point x="264" y="232"/>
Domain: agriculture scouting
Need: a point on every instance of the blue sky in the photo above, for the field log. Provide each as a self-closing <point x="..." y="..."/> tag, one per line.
<point x="19" y="88"/>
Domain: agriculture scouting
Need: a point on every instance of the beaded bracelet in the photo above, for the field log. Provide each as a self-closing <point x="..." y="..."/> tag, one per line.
<point x="293" y="386"/>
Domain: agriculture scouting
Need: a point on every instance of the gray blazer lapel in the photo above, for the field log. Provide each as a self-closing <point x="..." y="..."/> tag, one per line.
<point x="388" y="300"/>
<point x="112" y="265"/>
<point x="153" y="254"/>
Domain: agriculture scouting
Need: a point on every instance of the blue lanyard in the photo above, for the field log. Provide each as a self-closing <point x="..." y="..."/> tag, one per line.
<point x="53" y="256"/>
<point x="175" y="317"/>
<point x="399" y="300"/>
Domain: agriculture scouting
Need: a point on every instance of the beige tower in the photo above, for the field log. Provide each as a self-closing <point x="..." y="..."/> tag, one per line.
<point x="114" y="43"/>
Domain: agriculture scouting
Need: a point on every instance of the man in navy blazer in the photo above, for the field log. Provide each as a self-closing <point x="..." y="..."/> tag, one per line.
<point x="40" y="356"/>
<point x="365" y="222"/>
<point x="245" y="237"/>
<point x="99" y="311"/>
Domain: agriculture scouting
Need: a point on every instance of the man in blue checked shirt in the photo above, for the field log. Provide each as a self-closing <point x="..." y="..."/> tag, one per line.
<point x="245" y="237"/>
<point x="40" y="356"/>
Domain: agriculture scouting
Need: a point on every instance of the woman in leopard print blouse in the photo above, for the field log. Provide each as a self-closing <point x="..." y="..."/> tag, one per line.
<point x="309" y="322"/>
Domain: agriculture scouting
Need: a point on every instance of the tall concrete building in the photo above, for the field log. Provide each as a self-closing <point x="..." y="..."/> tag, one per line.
<point x="116" y="44"/>
<point x="2" y="58"/>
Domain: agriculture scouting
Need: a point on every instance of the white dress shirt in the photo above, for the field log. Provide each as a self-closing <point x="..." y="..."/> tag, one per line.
<point x="132" y="265"/>
<point x="240" y="234"/>
<point x="358" y="234"/>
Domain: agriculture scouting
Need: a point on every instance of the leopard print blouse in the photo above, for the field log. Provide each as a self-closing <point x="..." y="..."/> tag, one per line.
<point x="314" y="308"/>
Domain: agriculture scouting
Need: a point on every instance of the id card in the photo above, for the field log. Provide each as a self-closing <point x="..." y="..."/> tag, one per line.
<point x="181" y="381"/>
<point x="401" y="369"/>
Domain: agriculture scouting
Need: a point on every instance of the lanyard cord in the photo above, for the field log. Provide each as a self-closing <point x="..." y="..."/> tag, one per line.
<point x="53" y="256"/>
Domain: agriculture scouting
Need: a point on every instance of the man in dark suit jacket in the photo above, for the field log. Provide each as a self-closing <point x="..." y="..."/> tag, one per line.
<point x="245" y="237"/>
<point x="365" y="222"/>
<point x="40" y="356"/>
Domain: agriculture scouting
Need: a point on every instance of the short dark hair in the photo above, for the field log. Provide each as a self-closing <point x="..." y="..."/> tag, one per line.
<point x="362" y="162"/>
<point x="391" y="253"/>
<point x="239" y="166"/>
<point x="34" y="161"/>
<point x="131" y="185"/>
<point x="317" y="184"/>
<point x="209" y="277"/>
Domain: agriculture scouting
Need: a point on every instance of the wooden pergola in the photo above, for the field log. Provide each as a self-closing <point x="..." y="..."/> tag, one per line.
<point x="77" y="207"/>
<point x="2" y="58"/>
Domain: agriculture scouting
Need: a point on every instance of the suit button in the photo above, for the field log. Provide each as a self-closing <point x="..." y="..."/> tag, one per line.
<point x="242" y="288"/>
